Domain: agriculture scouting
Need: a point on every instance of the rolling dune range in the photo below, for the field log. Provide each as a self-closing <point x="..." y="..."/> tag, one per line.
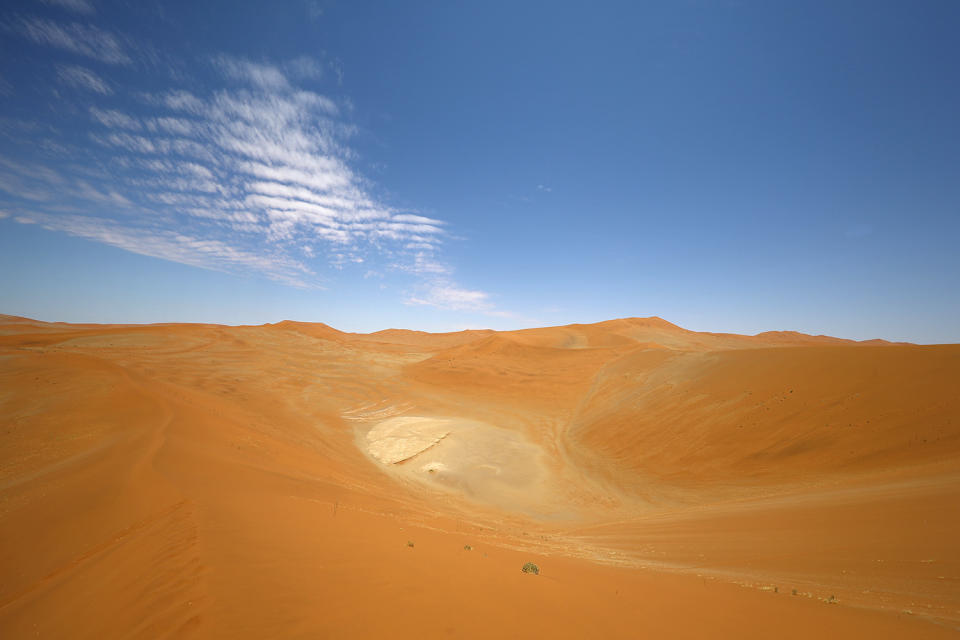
<point x="292" y="480"/>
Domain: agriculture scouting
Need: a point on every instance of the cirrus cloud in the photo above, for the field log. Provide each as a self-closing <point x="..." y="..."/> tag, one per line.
<point x="251" y="173"/>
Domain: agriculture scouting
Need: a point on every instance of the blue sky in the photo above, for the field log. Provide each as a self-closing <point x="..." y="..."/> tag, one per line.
<point x="729" y="166"/>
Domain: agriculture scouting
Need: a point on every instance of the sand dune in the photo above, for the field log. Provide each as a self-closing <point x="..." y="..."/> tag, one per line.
<point x="293" y="480"/>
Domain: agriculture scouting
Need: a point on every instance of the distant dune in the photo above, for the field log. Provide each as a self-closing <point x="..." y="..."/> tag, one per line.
<point x="294" y="480"/>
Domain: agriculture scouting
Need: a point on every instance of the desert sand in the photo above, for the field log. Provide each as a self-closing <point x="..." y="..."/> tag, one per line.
<point x="295" y="481"/>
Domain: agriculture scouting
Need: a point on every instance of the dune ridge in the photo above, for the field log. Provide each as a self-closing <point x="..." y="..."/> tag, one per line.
<point x="215" y="481"/>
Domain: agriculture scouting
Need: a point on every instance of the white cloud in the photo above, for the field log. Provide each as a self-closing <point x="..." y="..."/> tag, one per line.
<point x="84" y="190"/>
<point x="84" y="40"/>
<point x="300" y="193"/>
<point x="114" y="119"/>
<point x="314" y="9"/>
<point x="423" y="263"/>
<point x="443" y="293"/>
<point x="304" y="67"/>
<point x="278" y="153"/>
<point x="176" y="126"/>
<point x="327" y="174"/>
<point x="29" y="181"/>
<point x="196" y="169"/>
<point x="83" y="78"/>
<point x="182" y="101"/>
<point x="174" y="246"/>
<point x="77" y="6"/>
<point x="406" y="217"/>
<point x="135" y="143"/>
<point x="449" y="296"/>
<point x="263" y="76"/>
<point x="255" y="174"/>
<point x="32" y="170"/>
<point x="16" y="187"/>
<point x="293" y="210"/>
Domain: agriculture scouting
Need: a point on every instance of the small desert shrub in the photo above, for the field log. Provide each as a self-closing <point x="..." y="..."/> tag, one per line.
<point x="531" y="568"/>
<point x="409" y="543"/>
<point x="467" y="547"/>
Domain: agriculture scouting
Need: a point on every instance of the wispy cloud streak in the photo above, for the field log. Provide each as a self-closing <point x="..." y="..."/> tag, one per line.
<point x="81" y="39"/>
<point x="83" y="78"/>
<point x="77" y="6"/>
<point x="254" y="174"/>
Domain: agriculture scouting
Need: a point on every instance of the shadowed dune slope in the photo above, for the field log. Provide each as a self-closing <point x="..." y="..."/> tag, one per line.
<point x="293" y="480"/>
<point x="772" y="415"/>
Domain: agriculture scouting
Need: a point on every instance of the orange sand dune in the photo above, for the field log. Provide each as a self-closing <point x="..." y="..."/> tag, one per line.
<point x="211" y="481"/>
